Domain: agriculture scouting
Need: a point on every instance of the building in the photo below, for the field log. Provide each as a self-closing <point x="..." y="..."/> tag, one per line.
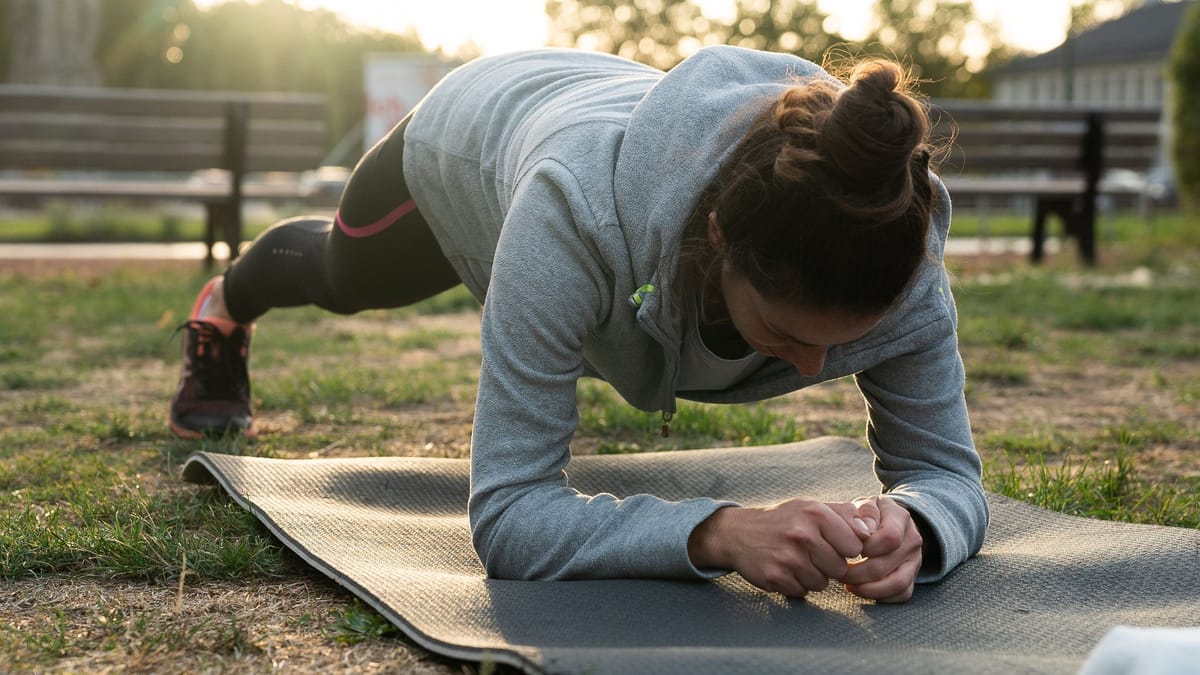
<point x="51" y="42"/>
<point x="1120" y="63"/>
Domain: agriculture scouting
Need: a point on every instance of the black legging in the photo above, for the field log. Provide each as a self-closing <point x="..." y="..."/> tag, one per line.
<point x="377" y="252"/>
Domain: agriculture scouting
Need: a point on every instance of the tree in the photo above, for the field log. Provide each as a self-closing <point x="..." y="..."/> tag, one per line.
<point x="929" y="36"/>
<point x="6" y="28"/>
<point x="793" y="26"/>
<point x="1087" y="14"/>
<point x="270" y="45"/>
<point x="1184" y="72"/>
<point x="659" y="33"/>
<point x="140" y="42"/>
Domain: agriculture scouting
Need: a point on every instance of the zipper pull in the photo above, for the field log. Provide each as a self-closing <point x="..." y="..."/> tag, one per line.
<point x="666" y="425"/>
<point x="637" y="298"/>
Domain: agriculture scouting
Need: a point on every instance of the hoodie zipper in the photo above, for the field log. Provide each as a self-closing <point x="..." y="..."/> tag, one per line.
<point x="668" y="411"/>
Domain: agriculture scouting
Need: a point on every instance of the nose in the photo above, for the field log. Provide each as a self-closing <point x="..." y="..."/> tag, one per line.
<point x="807" y="360"/>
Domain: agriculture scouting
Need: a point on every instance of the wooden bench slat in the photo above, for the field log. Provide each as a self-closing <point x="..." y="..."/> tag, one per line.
<point x="1058" y="156"/>
<point x="155" y="102"/>
<point x="80" y="128"/>
<point x="162" y="137"/>
<point x="206" y="191"/>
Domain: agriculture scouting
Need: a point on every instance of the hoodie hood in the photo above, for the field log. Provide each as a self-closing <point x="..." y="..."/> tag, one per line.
<point x="680" y="134"/>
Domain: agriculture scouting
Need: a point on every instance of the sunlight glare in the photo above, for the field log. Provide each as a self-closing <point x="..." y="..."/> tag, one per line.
<point x="490" y="27"/>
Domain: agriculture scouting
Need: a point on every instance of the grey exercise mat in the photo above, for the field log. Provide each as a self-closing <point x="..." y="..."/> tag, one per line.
<point x="394" y="532"/>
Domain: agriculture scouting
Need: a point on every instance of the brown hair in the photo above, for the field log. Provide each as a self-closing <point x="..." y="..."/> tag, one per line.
<point x="826" y="200"/>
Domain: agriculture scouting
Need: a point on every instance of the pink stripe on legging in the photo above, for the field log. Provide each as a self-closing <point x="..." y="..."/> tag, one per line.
<point x="379" y="225"/>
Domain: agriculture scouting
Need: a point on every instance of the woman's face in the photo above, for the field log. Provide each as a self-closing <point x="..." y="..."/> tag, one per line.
<point x="797" y="334"/>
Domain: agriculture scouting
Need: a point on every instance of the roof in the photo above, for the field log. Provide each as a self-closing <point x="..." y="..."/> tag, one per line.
<point x="1145" y="33"/>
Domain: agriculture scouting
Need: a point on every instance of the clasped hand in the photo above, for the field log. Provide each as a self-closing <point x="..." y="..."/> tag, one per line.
<point x="871" y="545"/>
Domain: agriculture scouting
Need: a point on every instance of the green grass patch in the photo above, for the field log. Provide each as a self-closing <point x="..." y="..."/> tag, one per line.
<point x="1121" y="226"/>
<point x="61" y="222"/>
<point x="121" y="532"/>
<point x="1000" y="371"/>
<point x="624" y="429"/>
<point x="1109" y="490"/>
<point x="89" y="473"/>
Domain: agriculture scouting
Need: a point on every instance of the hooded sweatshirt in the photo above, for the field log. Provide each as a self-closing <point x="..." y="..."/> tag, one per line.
<point x="558" y="184"/>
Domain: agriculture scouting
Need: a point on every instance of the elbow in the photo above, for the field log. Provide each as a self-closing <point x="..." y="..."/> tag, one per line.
<point x="485" y="530"/>
<point x="502" y="545"/>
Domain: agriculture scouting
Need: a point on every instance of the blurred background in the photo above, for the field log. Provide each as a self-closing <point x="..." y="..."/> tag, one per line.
<point x="372" y="61"/>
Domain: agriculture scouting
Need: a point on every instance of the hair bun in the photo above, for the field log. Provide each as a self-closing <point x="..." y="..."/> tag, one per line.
<point x="874" y="126"/>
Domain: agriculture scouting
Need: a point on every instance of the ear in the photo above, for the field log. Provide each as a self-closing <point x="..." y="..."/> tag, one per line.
<point x="716" y="238"/>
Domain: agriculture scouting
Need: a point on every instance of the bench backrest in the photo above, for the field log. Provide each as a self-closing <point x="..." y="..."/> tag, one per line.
<point x="143" y="130"/>
<point x="990" y="137"/>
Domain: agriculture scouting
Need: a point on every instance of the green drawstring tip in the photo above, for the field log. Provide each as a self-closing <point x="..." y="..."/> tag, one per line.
<point x="636" y="299"/>
<point x="666" y="424"/>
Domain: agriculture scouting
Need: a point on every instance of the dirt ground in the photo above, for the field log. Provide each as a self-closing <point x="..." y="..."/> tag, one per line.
<point x="277" y="625"/>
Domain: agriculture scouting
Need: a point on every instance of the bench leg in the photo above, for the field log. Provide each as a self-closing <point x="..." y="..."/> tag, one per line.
<point x="1085" y="234"/>
<point x="222" y="217"/>
<point x="212" y="212"/>
<point x="1042" y="210"/>
<point x="233" y="231"/>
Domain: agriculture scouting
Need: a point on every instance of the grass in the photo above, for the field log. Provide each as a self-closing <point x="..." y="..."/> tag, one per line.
<point x="1084" y="387"/>
<point x="111" y="222"/>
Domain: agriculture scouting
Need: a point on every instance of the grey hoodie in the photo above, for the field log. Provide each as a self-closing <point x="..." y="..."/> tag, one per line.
<point x="558" y="184"/>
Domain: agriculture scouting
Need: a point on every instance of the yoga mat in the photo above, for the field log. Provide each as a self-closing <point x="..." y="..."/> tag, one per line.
<point x="394" y="531"/>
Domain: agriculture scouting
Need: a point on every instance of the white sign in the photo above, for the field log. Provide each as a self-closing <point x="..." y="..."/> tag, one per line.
<point x="394" y="84"/>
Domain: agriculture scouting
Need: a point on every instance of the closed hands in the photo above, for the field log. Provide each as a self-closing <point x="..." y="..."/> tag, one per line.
<point x="891" y="552"/>
<point x="797" y="546"/>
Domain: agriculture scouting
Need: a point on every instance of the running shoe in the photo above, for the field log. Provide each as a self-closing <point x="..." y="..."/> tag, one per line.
<point x="213" y="396"/>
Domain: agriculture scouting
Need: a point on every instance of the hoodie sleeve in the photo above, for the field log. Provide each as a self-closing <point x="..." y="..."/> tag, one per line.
<point x="547" y="291"/>
<point x="920" y="433"/>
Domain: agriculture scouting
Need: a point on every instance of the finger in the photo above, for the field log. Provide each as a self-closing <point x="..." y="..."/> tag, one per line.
<point x="878" y="568"/>
<point x="837" y="533"/>
<point x="870" y="570"/>
<point x="895" y="525"/>
<point x="785" y="584"/>
<point x="867" y="510"/>
<point x="794" y="578"/>
<point x="895" y="587"/>
<point x="811" y="577"/>
<point x="849" y="513"/>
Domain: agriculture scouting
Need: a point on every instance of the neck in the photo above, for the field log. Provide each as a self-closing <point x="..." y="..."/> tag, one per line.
<point x="717" y="331"/>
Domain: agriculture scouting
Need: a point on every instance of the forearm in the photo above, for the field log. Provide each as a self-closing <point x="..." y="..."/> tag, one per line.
<point x="925" y="456"/>
<point x="553" y="532"/>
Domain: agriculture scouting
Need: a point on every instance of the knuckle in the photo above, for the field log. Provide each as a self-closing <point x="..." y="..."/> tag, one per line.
<point x="776" y="580"/>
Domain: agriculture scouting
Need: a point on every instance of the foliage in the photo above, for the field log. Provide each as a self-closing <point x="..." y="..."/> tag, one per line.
<point x="657" y="32"/>
<point x="356" y="622"/>
<point x="1184" y="69"/>
<point x="795" y="26"/>
<point x="929" y="37"/>
<point x="172" y="44"/>
<point x="1087" y="14"/>
<point x="5" y="36"/>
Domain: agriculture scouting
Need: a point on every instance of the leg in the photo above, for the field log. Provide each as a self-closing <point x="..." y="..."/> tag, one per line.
<point x="378" y="252"/>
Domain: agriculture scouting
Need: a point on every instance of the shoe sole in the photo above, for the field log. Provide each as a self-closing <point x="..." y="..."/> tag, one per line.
<point x="193" y="435"/>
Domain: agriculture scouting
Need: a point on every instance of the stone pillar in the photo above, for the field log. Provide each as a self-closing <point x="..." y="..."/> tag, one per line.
<point x="53" y="41"/>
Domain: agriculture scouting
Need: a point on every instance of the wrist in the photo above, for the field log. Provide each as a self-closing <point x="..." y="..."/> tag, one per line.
<point x="707" y="544"/>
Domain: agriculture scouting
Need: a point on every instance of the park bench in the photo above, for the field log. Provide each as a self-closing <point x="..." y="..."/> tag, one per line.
<point x="144" y="144"/>
<point x="1056" y="156"/>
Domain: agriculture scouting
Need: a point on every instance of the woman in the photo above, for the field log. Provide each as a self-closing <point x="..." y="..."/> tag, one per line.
<point x="738" y="228"/>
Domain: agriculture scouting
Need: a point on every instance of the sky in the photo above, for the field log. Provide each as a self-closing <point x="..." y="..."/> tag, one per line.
<point x="503" y="25"/>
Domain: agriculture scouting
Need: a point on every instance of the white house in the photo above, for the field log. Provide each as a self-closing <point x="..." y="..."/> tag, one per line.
<point x="1120" y="63"/>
